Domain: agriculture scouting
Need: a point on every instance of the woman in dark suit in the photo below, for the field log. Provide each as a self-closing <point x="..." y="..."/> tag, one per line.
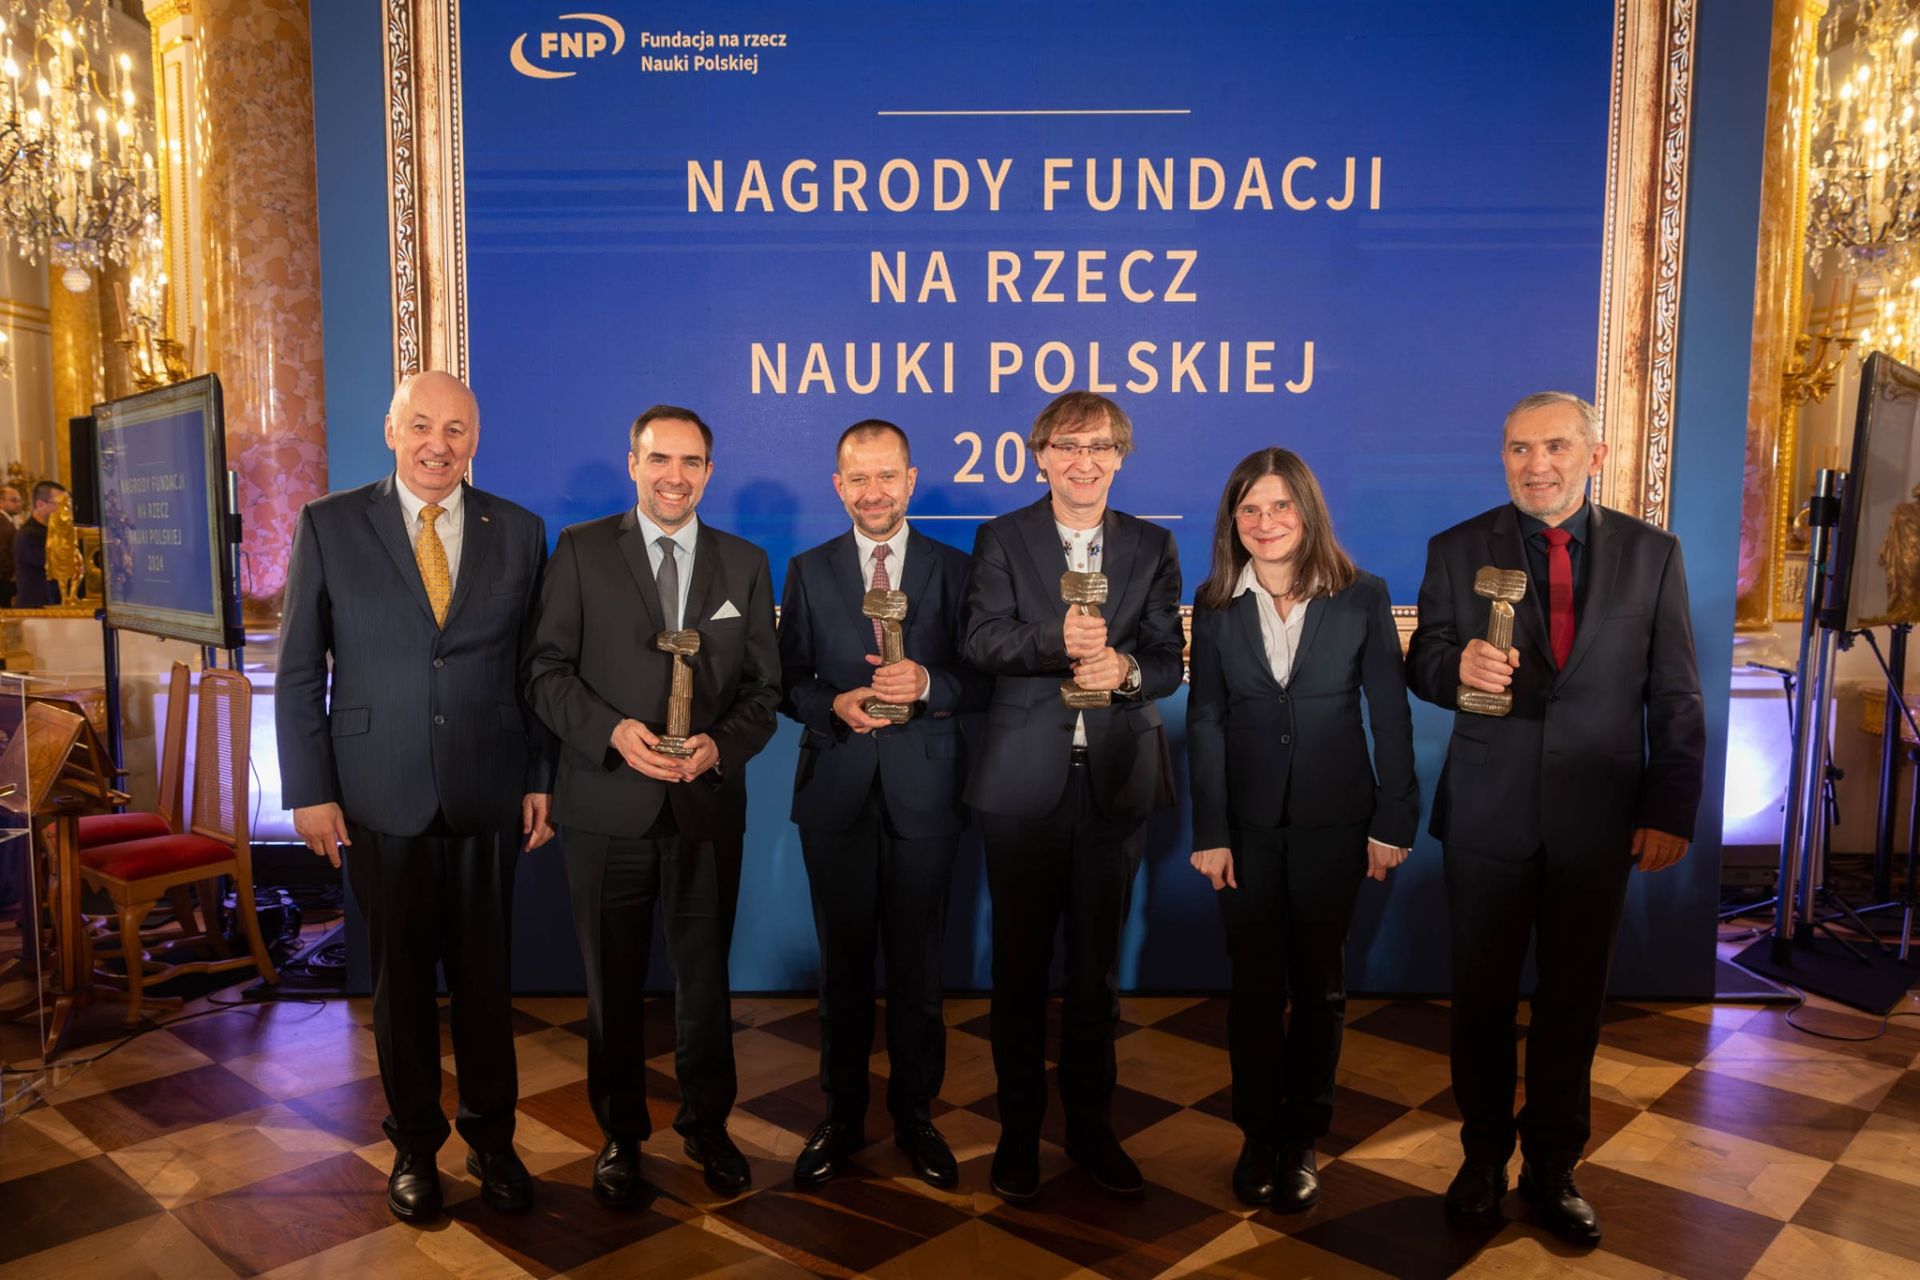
<point x="1288" y="812"/>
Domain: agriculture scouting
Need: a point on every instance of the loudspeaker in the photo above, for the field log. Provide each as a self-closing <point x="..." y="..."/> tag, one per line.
<point x="83" y="464"/>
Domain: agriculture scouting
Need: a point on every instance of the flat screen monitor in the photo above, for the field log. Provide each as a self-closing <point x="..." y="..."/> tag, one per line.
<point x="164" y="514"/>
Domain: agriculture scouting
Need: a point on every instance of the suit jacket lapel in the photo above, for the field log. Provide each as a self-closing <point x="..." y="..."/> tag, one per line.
<point x="1602" y="566"/>
<point x="706" y="571"/>
<point x="1119" y="558"/>
<point x="843" y="565"/>
<point x="1043" y="547"/>
<point x="1507" y="550"/>
<point x="476" y="546"/>
<point x="390" y="526"/>
<point x="633" y="548"/>
<point x="1246" y="622"/>
<point x="919" y="572"/>
<point x="1309" y="627"/>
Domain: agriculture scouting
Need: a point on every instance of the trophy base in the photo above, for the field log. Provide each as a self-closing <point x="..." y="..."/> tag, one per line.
<point x="1482" y="703"/>
<point x="675" y="747"/>
<point x="1083" y="699"/>
<point x="892" y="712"/>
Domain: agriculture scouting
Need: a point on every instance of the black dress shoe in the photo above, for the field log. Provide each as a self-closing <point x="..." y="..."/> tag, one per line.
<point x="413" y="1188"/>
<point x="1253" y="1172"/>
<point x="831" y="1142"/>
<point x="1296" y="1179"/>
<point x="1111" y="1168"/>
<point x="1473" y="1200"/>
<point x="725" y="1168"/>
<point x="616" y="1174"/>
<point x="933" y="1161"/>
<point x="1559" y="1204"/>
<point x="505" y="1183"/>
<point x="1015" y="1172"/>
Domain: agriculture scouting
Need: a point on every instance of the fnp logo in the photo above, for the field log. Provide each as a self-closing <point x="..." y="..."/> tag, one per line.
<point x="570" y="45"/>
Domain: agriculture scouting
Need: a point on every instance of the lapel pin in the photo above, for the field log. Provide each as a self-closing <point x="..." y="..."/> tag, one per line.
<point x="486" y="519"/>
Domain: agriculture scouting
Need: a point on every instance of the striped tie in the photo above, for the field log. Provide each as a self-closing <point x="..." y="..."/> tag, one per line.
<point x="431" y="555"/>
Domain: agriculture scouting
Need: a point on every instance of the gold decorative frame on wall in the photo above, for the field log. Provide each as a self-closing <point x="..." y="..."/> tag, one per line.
<point x="1777" y="587"/>
<point x="1649" y="125"/>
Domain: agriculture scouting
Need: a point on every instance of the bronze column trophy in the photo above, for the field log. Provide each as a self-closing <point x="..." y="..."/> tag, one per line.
<point x="889" y="609"/>
<point x="1506" y="588"/>
<point x="682" y="645"/>
<point x="1085" y="592"/>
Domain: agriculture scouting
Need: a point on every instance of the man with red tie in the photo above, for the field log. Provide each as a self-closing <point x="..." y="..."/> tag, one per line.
<point x="1543" y="812"/>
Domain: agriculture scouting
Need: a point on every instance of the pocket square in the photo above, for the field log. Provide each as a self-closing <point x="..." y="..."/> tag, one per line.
<point x="724" y="612"/>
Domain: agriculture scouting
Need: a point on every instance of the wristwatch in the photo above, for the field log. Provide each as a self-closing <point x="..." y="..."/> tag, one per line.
<point x="1131" y="685"/>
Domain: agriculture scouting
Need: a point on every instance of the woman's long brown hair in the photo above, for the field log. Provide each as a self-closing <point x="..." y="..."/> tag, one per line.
<point x="1321" y="568"/>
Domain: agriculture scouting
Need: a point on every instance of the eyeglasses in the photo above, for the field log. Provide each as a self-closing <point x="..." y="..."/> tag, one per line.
<point x="1098" y="450"/>
<point x="1250" y="514"/>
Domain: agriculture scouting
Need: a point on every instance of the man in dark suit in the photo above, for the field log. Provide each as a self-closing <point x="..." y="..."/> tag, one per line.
<point x="1544" y="811"/>
<point x="878" y="802"/>
<point x="421" y="762"/>
<point x="1063" y="796"/>
<point x="640" y="825"/>
<point x="33" y="589"/>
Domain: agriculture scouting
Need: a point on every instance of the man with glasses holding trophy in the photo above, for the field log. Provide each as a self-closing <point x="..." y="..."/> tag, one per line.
<point x="1074" y="610"/>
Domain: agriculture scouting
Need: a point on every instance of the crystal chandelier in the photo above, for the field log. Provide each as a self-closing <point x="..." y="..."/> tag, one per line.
<point x="1863" y="195"/>
<point x="75" y="183"/>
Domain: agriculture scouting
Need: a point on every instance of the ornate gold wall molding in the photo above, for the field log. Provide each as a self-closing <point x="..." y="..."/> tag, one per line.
<point x="1771" y="575"/>
<point x="1650" y="121"/>
<point x="426" y="210"/>
<point x="1650" y="124"/>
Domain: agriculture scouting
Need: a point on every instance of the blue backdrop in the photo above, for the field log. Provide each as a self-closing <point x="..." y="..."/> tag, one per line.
<point x="635" y="234"/>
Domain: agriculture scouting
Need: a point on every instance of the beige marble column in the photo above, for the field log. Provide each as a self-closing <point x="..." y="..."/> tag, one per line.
<point x="261" y="245"/>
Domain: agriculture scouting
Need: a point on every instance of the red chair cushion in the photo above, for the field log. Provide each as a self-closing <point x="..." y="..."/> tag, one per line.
<point x="113" y="828"/>
<point x="155" y="856"/>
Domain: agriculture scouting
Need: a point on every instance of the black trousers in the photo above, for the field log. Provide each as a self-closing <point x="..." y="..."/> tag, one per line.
<point x="1570" y="907"/>
<point x="1287" y="937"/>
<point x="1074" y="864"/>
<point x="614" y="883"/>
<point x="446" y="900"/>
<point x="873" y="888"/>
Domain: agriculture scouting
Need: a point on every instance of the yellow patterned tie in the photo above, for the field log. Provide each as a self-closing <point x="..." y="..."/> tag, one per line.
<point x="431" y="555"/>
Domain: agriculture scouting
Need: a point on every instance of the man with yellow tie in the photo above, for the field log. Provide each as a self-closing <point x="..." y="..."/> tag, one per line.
<point x="421" y="764"/>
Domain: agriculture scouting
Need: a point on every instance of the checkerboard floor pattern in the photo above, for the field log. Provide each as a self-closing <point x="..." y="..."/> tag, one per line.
<point x="1726" y="1143"/>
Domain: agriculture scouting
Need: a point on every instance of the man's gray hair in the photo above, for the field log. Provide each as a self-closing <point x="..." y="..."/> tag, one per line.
<point x="1589" y="416"/>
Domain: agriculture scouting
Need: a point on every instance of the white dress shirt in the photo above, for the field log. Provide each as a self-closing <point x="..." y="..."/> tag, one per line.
<point x="896" y="557"/>
<point x="684" y="541"/>
<point x="1280" y="636"/>
<point x="451" y="526"/>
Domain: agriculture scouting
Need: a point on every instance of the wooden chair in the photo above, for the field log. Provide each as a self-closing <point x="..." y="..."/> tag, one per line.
<point x="137" y="873"/>
<point x="112" y="828"/>
<point x="167" y="817"/>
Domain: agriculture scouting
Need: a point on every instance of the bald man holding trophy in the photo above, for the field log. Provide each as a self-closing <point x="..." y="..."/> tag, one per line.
<point x="870" y="659"/>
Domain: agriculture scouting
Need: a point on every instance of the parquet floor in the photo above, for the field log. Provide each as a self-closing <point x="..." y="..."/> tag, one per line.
<point x="1727" y="1143"/>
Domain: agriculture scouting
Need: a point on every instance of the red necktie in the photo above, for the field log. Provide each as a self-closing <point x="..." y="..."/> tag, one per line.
<point x="1559" y="593"/>
<point x="881" y="582"/>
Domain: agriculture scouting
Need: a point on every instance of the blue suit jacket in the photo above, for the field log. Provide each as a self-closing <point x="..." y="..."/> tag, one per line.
<point x="1015" y="621"/>
<point x="420" y="718"/>
<point x="1264" y="756"/>
<point x="824" y="641"/>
